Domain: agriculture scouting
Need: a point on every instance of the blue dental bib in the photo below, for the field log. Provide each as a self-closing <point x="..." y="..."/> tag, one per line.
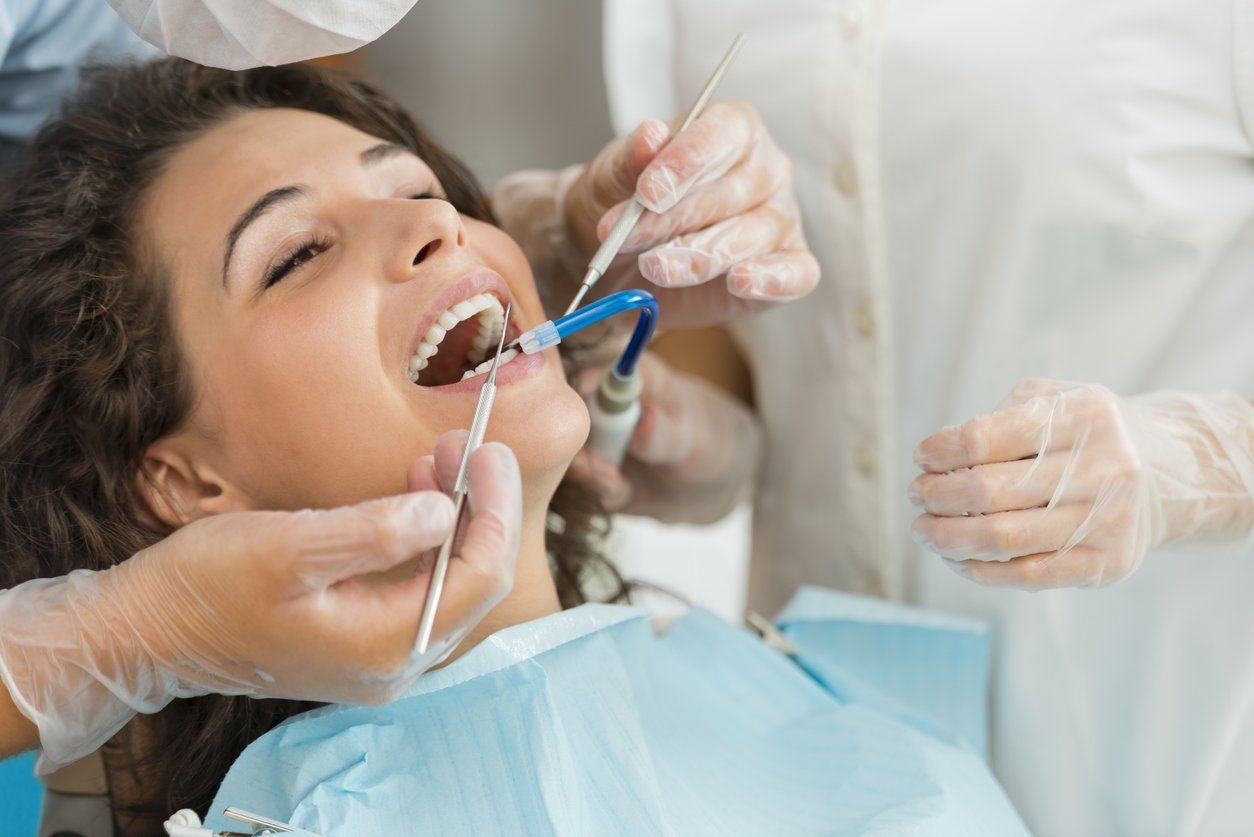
<point x="587" y="723"/>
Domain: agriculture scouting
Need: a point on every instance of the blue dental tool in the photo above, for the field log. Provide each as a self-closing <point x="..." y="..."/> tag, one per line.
<point x="616" y="408"/>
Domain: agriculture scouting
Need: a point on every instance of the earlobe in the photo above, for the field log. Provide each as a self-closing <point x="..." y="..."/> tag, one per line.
<point x="172" y="490"/>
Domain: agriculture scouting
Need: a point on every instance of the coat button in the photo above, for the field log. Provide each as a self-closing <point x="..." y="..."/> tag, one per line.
<point x="850" y="23"/>
<point x="846" y="179"/>
<point x="864" y="322"/>
<point x="864" y="458"/>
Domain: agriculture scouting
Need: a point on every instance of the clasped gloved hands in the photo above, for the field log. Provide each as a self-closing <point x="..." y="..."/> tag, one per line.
<point x="270" y="604"/>
<point x="691" y="455"/>
<point x="1069" y="485"/>
<point x="721" y="204"/>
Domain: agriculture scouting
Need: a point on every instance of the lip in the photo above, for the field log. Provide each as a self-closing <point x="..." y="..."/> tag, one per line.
<point x="478" y="281"/>
<point x="523" y="366"/>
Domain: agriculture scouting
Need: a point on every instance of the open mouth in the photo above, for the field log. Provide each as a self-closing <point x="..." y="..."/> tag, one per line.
<point x="461" y="342"/>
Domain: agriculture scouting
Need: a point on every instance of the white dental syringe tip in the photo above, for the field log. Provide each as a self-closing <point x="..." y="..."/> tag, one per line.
<point x="539" y="338"/>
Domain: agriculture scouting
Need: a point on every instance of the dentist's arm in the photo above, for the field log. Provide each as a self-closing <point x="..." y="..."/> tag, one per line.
<point x="270" y="604"/>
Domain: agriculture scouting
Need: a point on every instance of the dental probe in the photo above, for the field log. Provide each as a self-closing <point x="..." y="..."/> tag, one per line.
<point x="631" y="214"/>
<point x="626" y="222"/>
<point x="478" y="426"/>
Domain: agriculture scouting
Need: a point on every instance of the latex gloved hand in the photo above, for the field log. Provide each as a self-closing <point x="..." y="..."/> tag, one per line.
<point x="691" y="455"/>
<point x="273" y="604"/>
<point x="721" y="206"/>
<point x="1069" y="485"/>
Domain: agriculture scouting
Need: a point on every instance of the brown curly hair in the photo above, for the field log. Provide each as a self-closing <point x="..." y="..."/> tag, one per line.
<point x="90" y="375"/>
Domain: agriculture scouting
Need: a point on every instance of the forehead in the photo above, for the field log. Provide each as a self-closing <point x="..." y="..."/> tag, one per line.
<point x="262" y="146"/>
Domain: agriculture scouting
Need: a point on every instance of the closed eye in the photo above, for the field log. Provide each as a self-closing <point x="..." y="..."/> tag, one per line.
<point x="296" y="257"/>
<point x="306" y="251"/>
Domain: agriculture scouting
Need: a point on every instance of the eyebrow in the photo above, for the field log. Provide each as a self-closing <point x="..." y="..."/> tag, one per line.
<point x="371" y="156"/>
<point x="262" y="205"/>
<point x="382" y="151"/>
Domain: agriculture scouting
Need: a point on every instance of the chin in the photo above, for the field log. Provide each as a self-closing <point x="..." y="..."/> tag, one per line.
<point x="545" y="428"/>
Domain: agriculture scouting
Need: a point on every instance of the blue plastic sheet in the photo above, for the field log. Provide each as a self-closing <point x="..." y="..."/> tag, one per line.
<point x="587" y="723"/>
<point x="926" y="668"/>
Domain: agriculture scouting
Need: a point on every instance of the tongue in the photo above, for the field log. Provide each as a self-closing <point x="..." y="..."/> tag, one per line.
<point x="447" y="365"/>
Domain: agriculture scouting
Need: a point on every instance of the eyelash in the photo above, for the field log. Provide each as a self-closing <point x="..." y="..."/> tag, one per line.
<point x="307" y="250"/>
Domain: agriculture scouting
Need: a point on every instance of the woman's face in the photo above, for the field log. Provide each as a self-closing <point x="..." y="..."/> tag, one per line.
<point x="310" y="264"/>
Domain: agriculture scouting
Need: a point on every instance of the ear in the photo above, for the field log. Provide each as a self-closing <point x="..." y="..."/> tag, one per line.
<point x="175" y="487"/>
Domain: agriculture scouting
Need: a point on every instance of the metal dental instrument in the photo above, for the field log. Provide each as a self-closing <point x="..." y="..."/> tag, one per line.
<point x="186" y="823"/>
<point x="626" y="222"/>
<point x="478" y="426"/>
<point x="261" y="825"/>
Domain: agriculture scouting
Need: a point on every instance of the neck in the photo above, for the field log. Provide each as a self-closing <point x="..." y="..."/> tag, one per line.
<point x="533" y="595"/>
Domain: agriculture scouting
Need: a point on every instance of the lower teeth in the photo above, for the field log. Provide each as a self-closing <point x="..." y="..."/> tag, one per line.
<point x="506" y="357"/>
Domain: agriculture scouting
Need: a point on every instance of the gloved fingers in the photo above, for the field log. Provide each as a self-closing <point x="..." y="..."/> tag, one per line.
<point x="422" y="475"/>
<point x="1055" y="416"/>
<point x="449" y="449"/>
<point x="1003" y="436"/>
<point x="1029" y="389"/>
<point x="321" y="548"/>
<point x="721" y="136"/>
<point x="1003" y="535"/>
<point x="586" y="380"/>
<point x="662" y="436"/>
<point x="602" y="477"/>
<point x="698" y="257"/>
<point x="482" y="569"/>
<point x="612" y="176"/>
<point x="778" y="277"/>
<point x="1060" y="477"/>
<point x="741" y="190"/>
<point x="1078" y="567"/>
<point x="372" y="624"/>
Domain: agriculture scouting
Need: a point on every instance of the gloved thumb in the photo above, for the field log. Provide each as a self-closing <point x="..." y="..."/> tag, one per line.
<point x="615" y="171"/>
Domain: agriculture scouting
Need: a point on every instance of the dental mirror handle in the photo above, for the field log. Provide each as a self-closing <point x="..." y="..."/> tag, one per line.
<point x="627" y="221"/>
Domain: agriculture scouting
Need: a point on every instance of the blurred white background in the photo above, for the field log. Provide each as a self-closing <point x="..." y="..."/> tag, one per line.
<point x="507" y="86"/>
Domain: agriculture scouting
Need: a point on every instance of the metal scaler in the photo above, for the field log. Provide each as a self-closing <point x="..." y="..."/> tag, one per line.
<point x="478" y="426"/>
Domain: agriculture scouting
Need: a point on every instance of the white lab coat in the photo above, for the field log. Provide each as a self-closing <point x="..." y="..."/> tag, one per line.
<point x="1001" y="189"/>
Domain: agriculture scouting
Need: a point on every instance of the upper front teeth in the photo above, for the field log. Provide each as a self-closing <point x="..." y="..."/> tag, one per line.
<point x="491" y="321"/>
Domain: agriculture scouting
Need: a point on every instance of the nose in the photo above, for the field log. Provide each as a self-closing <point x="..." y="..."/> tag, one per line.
<point x="425" y="231"/>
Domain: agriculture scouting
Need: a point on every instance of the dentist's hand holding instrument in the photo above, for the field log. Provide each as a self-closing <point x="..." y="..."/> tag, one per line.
<point x="720" y="204"/>
<point x="251" y="603"/>
<point x="615" y="410"/>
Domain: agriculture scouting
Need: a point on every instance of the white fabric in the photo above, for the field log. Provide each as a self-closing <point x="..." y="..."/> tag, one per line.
<point x="237" y="34"/>
<point x="1002" y="189"/>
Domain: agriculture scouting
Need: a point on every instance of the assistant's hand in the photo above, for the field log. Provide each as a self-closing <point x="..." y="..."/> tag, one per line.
<point x="690" y="457"/>
<point x="1069" y="485"/>
<point x="721" y="207"/>
<point x="274" y="604"/>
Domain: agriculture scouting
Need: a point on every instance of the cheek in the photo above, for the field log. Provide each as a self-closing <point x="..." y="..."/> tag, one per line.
<point x="307" y="416"/>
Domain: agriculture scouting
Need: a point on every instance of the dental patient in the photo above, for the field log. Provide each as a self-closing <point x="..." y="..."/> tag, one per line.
<point x="271" y="290"/>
